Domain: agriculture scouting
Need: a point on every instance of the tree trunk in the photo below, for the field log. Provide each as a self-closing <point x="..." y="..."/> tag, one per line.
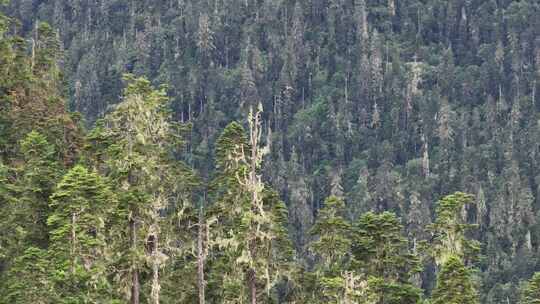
<point x="73" y="240"/>
<point x="200" y="259"/>
<point x="253" y="184"/>
<point x="156" y="287"/>
<point x="253" y="286"/>
<point x="135" y="287"/>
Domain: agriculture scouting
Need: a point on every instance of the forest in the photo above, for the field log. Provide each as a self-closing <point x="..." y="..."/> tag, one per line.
<point x="270" y="151"/>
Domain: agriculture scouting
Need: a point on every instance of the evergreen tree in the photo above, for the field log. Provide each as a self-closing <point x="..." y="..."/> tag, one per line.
<point x="81" y="204"/>
<point x="28" y="280"/>
<point x="386" y="103"/>
<point x="454" y="284"/>
<point x="530" y="293"/>
<point x="450" y="227"/>
<point x="251" y="228"/>
<point x="382" y="253"/>
<point x="154" y="188"/>
<point x="37" y="180"/>
<point x="225" y="189"/>
<point x="332" y="249"/>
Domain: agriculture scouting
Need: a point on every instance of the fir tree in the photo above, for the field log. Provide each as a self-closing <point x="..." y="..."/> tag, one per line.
<point x="332" y="248"/>
<point x="35" y="184"/>
<point x="225" y="189"/>
<point x="79" y="221"/>
<point x="28" y="280"/>
<point x="454" y="284"/>
<point x="139" y="140"/>
<point x="450" y="227"/>
<point x="382" y="253"/>
<point x="252" y="229"/>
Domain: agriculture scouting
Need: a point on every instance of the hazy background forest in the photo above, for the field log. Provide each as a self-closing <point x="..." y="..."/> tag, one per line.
<point x="368" y="105"/>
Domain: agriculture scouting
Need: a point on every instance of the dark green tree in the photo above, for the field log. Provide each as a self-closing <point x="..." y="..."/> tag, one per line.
<point x="454" y="284"/>
<point x="383" y="254"/>
<point x="332" y="249"/>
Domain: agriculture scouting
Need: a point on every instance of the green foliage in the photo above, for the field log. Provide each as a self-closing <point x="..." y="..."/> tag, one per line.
<point x="80" y="207"/>
<point x="454" y="284"/>
<point x="134" y="146"/>
<point x="388" y="104"/>
<point x="333" y="232"/>
<point x="6" y="197"/>
<point x="28" y="279"/>
<point x="382" y="253"/>
<point x="249" y="236"/>
<point x="450" y="228"/>
<point x="530" y="293"/>
<point x="36" y="180"/>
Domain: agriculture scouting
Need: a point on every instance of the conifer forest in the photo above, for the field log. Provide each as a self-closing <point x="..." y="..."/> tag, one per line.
<point x="270" y="151"/>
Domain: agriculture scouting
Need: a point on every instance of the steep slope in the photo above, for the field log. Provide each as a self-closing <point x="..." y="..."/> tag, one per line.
<point x="389" y="104"/>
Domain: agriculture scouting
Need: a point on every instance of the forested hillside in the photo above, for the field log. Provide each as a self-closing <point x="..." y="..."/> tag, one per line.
<point x="269" y="151"/>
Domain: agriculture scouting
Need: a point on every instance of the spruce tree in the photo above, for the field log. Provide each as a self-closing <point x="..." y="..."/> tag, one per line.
<point x="139" y="139"/>
<point x="332" y="249"/>
<point x="24" y="198"/>
<point x="36" y="178"/>
<point x="224" y="281"/>
<point x="450" y="227"/>
<point x="451" y="248"/>
<point x="28" y="280"/>
<point x="382" y="253"/>
<point x="79" y="251"/>
<point x="454" y="284"/>
<point x="249" y="230"/>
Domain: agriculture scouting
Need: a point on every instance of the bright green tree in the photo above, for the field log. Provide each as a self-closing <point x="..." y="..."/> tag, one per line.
<point x="530" y="293"/>
<point x="24" y="198"/>
<point x="38" y="176"/>
<point x="79" y="222"/>
<point x="28" y="279"/>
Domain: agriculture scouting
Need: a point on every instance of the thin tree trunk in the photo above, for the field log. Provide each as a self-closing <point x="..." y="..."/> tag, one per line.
<point x="200" y="258"/>
<point x="253" y="286"/>
<point x="135" y="287"/>
<point x="156" y="287"/>
<point x="153" y="240"/>
<point x="34" y="42"/>
<point x="253" y="183"/>
<point x="73" y="240"/>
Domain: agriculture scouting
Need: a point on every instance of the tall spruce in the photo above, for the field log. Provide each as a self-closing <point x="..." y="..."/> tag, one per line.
<point x="153" y="187"/>
<point x="455" y="283"/>
<point x="250" y="219"/>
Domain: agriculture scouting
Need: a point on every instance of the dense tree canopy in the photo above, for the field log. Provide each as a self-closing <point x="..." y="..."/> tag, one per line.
<point x="137" y="112"/>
